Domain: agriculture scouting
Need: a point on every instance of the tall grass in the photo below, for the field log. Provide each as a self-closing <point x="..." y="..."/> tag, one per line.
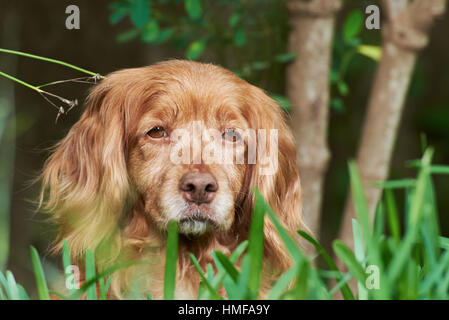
<point x="386" y="263"/>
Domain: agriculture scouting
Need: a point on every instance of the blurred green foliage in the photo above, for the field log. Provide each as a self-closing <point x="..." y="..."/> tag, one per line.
<point x="247" y="37"/>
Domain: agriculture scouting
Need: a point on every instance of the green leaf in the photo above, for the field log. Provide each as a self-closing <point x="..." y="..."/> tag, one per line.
<point x="352" y="25"/>
<point x="41" y="283"/>
<point x="360" y="256"/>
<point x="151" y="32"/>
<point x="193" y="8"/>
<point x="240" y="37"/>
<point x="22" y="293"/>
<point x="196" y="49"/>
<point x="337" y="105"/>
<point x="13" y="288"/>
<point x="104" y="287"/>
<point x="285" y="57"/>
<point x="290" y="244"/>
<point x="347" y="257"/>
<point x="345" y="290"/>
<point x="413" y="220"/>
<point x="4" y="283"/>
<point x="103" y="274"/>
<point x="301" y="287"/>
<point x="234" y="19"/>
<point x="128" y="35"/>
<point x="284" y="280"/>
<point x="372" y="52"/>
<point x="256" y="245"/>
<point x="139" y="11"/>
<point x="360" y="205"/>
<point x="392" y="214"/>
<point x="395" y="184"/>
<point x="66" y="261"/>
<point x="171" y="261"/>
<point x="260" y="65"/>
<point x="229" y="267"/>
<point x="343" y="88"/>
<point x="2" y="295"/>
<point x="164" y="35"/>
<point x="91" y="292"/>
<point x="218" y="280"/>
<point x="209" y="286"/>
<point x="118" y="15"/>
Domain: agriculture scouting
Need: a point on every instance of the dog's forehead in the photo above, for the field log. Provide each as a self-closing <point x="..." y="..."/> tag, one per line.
<point x="183" y="102"/>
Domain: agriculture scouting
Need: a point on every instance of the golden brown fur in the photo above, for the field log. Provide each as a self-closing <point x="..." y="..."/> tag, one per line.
<point x="109" y="188"/>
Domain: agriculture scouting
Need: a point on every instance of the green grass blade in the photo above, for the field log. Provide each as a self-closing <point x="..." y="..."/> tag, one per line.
<point x="256" y="245"/>
<point x="104" y="287"/>
<point x="393" y="219"/>
<point x="66" y="262"/>
<point x="218" y="280"/>
<point x="101" y="288"/>
<point x="373" y="253"/>
<point x="103" y="274"/>
<point x="13" y="288"/>
<point x="301" y="288"/>
<point x="91" y="292"/>
<point x="414" y="217"/>
<point x="289" y="243"/>
<point x="360" y="256"/>
<point x="294" y="250"/>
<point x="343" y="282"/>
<point x="436" y="274"/>
<point x="347" y="257"/>
<point x="227" y="265"/>
<point x="41" y="283"/>
<point x="443" y="287"/>
<point x="209" y="286"/>
<point x="284" y="280"/>
<point x="395" y="184"/>
<point x="444" y="242"/>
<point x="4" y="283"/>
<point x="379" y="221"/>
<point x="22" y="293"/>
<point x="345" y="290"/>
<point x="171" y="261"/>
<point x="2" y="294"/>
<point x="360" y="205"/>
<point x="210" y="272"/>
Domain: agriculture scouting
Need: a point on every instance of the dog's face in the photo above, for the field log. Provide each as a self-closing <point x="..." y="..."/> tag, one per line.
<point x="172" y="141"/>
<point x="200" y="115"/>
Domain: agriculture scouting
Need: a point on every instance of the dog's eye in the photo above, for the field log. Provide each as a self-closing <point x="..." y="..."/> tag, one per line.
<point x="231" y="135"/>
<point x="157" y="133"/>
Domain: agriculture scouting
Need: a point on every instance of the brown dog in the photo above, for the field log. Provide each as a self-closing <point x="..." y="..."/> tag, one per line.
<point x="112" y="185"/>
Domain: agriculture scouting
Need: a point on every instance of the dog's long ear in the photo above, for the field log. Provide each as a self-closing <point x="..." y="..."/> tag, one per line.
<point x="280" y="185"/>
<point x="85" y="182"/>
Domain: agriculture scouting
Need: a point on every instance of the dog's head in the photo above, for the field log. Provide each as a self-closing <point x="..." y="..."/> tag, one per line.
<point x="185" y="140"/>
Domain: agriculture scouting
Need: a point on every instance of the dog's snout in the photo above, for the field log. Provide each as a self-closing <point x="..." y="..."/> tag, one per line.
<point x="198" y="187"/>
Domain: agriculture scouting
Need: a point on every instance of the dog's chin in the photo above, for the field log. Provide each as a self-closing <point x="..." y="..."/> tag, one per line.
<point x="196" y="220"/>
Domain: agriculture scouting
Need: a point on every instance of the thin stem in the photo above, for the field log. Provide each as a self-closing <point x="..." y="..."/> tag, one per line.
<point x="70" y="103"/>
<point x="21" y="82"/>
<point x="79" y="80"/>
<point x="49" y="60"/>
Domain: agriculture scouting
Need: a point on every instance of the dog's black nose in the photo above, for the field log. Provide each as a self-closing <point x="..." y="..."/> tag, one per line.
<point x="198" y="187"/>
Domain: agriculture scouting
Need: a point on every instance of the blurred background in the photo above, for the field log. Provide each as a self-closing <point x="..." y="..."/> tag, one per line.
<point x="248" y="37"/>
